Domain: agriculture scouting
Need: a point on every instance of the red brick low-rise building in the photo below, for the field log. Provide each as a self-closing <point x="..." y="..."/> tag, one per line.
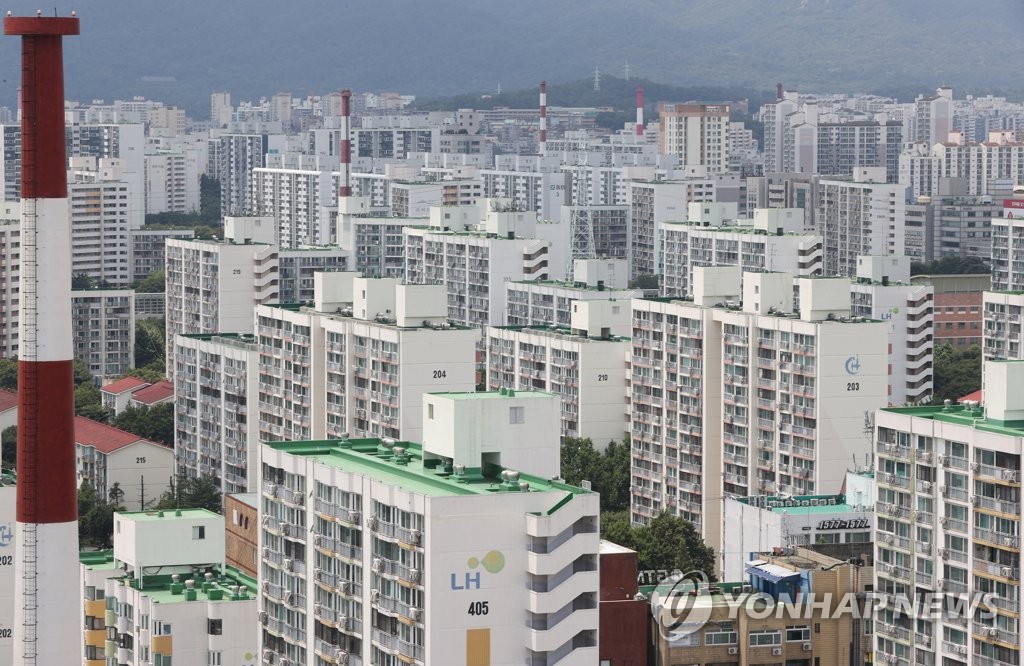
<point x="623" y="617"/>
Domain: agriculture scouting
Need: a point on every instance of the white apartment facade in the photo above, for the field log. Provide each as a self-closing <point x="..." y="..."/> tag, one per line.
<point x="882" y="291"/>
<point x="106" y="456"/>
<point x="698" y="134"/>
<point x="212" y="286"/>
<point x="584" y="365"/>
<point x="864" y="216"/>
<point x="359" y="360"/>
<point x="165" y="595"/>
<point x="103" y="329"/>
<point x="746" y="399"/>
<point x="949" y="522"/>
<point x="215" y="424"/>
<point x="146" y="254"/>
<point x="549" y="303"/>
<point x="653" y="203"/>
<point x="301" y="202"/>
<point x="475" y="265"/>
<point x="102" y="217"/>
<point x="773" y="241"/>
<point x="172" y="181"/>
<point x="397" y="540"/>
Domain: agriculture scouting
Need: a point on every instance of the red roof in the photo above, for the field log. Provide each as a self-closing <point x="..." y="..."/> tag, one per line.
<point x="104" y="438"/>
<point x="8" y="400"/>
<point x="972" y="396"/>
<point x="150" y="395"/>
<point x="122" y="385"/>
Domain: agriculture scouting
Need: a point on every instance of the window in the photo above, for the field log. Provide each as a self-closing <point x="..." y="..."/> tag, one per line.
<point x="430" y="411"/>
<point x="758" y="638"/>
<point x="198" y="532"/>
<point x="213" y="658"/>
<point x="720" y="637"/>
<point x="214" y="627"/>
<point x="517" y="415"/>
<point x="798" y="634"/>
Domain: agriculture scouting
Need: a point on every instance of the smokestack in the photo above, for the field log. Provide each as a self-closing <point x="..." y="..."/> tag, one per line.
<point x="46" y="553"/>
<point x="778" y="90"/>
<point x="639" y="111"/>
<point x="346" y="143"/>
<point x="543" y="117"/>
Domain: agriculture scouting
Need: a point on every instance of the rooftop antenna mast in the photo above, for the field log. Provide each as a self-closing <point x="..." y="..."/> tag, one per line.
<point x="581" y="223"/>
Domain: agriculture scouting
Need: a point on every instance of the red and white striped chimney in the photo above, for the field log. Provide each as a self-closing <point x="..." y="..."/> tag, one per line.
<point x="346" y="143"/>
<point x="639" y="111"/>
<point x="48" y="591"/>
<point x="543" y="117"/>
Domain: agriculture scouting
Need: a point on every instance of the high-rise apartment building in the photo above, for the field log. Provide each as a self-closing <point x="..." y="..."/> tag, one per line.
<point x="774" y="240"/>
<point x="882" y="291"/>
<point x="583" y="364"/>
<point x="102" y="217"/>
<point x="549" y="303"/>
<point x="103" y="328"/>
<point x="358" y="360"/>
<point x="653" y="203"/>
<point x="863" y="216"/>
<point x="172" y="181"/>
<point x="165" y="595"/>
<point x="232" y="159"/>
<point x="10" y="162"/>
<point x="698" y="134"/>
<point x="147" y="249"/>
<point x="212" y="286"/>
<point x="948" y="523"/>
<point x="474" y="261"/>
<point x="748" y="397"/>
<point x="216" y="432"/>
<point x="384" y="551"/>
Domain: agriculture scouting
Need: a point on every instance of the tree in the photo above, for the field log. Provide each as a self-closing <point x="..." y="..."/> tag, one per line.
<point x="154" y="423"/>
<point x="89" y="403"/>
<point x="9" y="446"/>
<point x="149" y="343"/>
<point x="192" y="493"/>
<point x="154" y="283"/>
<point x="950" y="266"/>
<point x="152" y="373"/>
<point x="9" y="374"/>
<point x="115" y="494"/>
<point x="607" y="471"/>
<point x="85" y="282"/>
<point x="96" y="516"/>
<point x="646" y="281"/>
<point x="956" y="373"/>
<point x="616" y="527"/>
<point x="669" y="542"/>
<point x="82" y="373"/>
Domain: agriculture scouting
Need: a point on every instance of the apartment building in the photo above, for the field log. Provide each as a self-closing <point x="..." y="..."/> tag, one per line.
<point x="297" y="266"/>
<point x="212" y="286"/>
<point x="231" y="160"/>
<point x="797" y="620"/>
<point x="549" y="303"/>
<point x="165" y="595"/>
<point x="215" y="425"/>
<point x="653" y="203"/>
<point x="609" y="226"/>
<point x="585" y="365"/>
<point x="241" y="536"/>
<point x="475" y="261"/>
<point x="107" y="456"/>
<point x="102" y="217"/>
<point x="698" y="134"/>
<point x="745" y="398"/>
<point x="10" y="260"/>
<point x="146" y="254"/>
<point x="103" y="330"/>
<point x="863" y="216"/>
<point x="1001" y="328"/>
<point x="882" y="291"/>
<point x="114" y="143"/>
<point x="358" y="360"/>
<point x="774" y="240"/>
<point x="8" y="504"/>
<point x="543" y="192"/>
<point x="172" y="181"/>
<point x="300" y="201"/>
<point x="959" y="307"/>
<point x="375" y="243"/>
<point x="10" y="162"/>
<point x="949" y="516"/>
<point x="428" y="553"/>
<point x="116" y="395"/>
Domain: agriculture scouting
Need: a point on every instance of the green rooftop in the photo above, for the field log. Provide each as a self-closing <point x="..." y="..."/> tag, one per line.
<point x="170" y="514"/>
<point x="970" y="416"/>
<point x="432" y="477"/>
<point x="801" y="504"/>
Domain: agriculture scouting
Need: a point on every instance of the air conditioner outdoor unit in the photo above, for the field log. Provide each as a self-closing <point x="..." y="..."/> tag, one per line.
<point x="417" y="614"/>
<point x="807" y="647"/>
<point x="777" y="652"/>
<point x="974" y="499"/>
<point x="289" y="563"/>
<point x="263" y="617"/>
<point x="346" y="588"/>
<point x="733" y="650"/>
<point x="269" y="656"/>
<point x="991" y="631"/>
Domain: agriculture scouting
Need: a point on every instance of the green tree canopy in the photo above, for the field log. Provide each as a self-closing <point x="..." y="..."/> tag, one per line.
<point x="956" y="373"/>
<point x="667" y="542"/>
<point x="9" y="374"/>
<point x="607" y="471"/>
<point x="149" y="344"/>
<point x="192" y="493"/>
<point x="950" y="266"/>
<point x="9" y="447"/>
<point x="646" y="281"/>
<point x="153" y="283"/>
<point x="154" y="423"/>
<point x="96" y="515"/>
